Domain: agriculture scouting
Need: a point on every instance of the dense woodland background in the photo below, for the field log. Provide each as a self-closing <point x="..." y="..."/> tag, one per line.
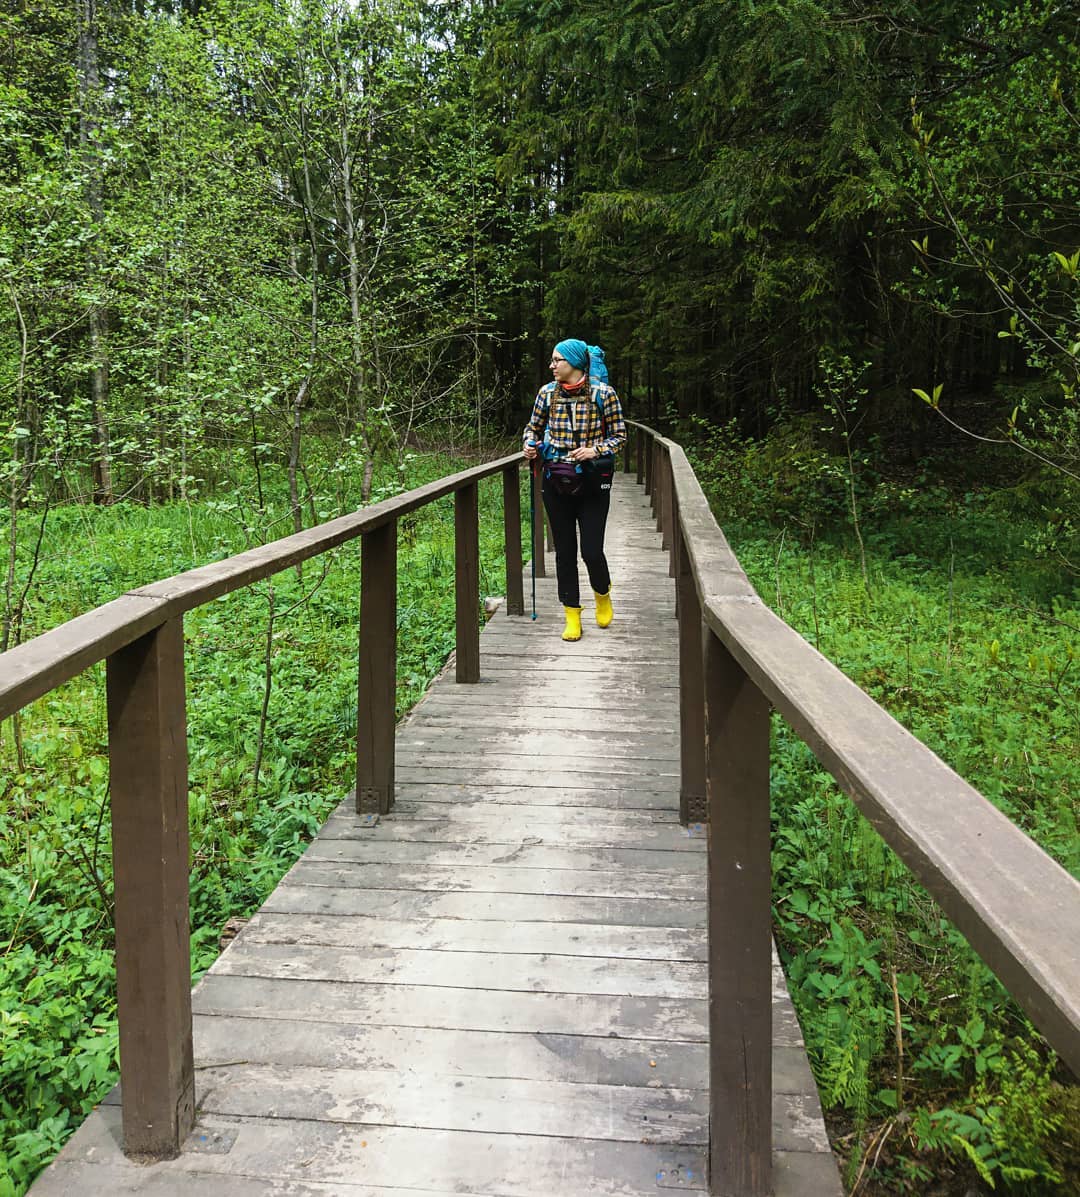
<point x="262" y="263"/>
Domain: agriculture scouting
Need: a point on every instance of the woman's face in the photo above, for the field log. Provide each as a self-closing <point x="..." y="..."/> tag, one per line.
<point x="561" y="370"/>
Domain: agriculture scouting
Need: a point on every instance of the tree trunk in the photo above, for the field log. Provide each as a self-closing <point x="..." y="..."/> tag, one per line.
<point x="89" y="99"/>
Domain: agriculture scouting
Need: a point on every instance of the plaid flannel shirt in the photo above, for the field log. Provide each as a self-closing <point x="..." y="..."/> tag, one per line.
<point x="573" y="422"/>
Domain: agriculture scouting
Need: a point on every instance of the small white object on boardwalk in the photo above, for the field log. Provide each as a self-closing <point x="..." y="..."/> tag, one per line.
<point x="501" y="989"/>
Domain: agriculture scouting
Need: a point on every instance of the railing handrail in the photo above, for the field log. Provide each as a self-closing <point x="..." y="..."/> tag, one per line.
<point x="33" y="669"/>
<point x="1017" y="906"/>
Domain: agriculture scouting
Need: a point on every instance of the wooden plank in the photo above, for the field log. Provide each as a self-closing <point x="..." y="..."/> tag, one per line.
<point x="467" y="582"/>
<point x="530" y="853"/>
<point x="504" y="879"/>
<point x="391" y="1159"/>
<point x="148" y="785"/>
<point x="657" y="802"/>
<point x="296" y="895"/>
<point x="592" y="766"/>
<point x="671" y="1020"/>
<point x="487" y="936"/>
<point x="521" y="774"/>
<point x="482" y="810"/>
<point x="377" y="674"/>
<point x="574" y="1059"/>
<point x="451" y="830"/>
<point x="466" y="970"/>
<point x="426" y="1100"/>
<point x="33" y="669"/>
<point x="543" y="743"/>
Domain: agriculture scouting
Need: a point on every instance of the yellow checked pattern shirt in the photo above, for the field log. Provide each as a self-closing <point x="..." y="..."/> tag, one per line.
<point x="575" y="422"/>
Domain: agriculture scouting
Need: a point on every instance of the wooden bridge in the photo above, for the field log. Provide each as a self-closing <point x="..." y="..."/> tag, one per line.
<point x="531" y="954"/>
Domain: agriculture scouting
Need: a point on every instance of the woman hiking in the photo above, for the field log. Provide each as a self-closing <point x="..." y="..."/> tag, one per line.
<point x="576" y="429"/>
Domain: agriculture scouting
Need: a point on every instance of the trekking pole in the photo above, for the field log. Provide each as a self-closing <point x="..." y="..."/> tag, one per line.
<point x="532" y="528"/>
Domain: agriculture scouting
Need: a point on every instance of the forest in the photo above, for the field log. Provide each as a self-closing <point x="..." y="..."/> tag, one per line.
<point x="264" y="263"/>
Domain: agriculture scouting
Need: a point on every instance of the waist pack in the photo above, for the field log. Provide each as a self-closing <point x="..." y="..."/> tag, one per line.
<point x="565" y="477"/>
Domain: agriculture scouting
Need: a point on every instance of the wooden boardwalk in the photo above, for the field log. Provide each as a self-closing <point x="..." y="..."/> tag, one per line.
<point x="500" y="989"/>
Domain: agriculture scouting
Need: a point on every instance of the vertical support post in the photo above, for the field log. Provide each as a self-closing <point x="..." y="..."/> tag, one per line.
<point x="658" y="489"/>
<point x="650" y="458"/>
<point x="740" y="959"/>
<point x="148" y="784"/>
<point x="467" y="581"/>
<point x="515" y="584"/>
<point x="639" y="441"/>
<point x="377" y="677"/>
<point x="539" y="523"/>
<point x="692" y="805"/>
<point x="627" y="454"/>
<point x="668" y="539"/>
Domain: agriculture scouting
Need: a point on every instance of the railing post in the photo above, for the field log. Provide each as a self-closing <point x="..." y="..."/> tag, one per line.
<point x="377" y="678"/>
<point x="658" y="488"/>
<point x="467" y="581"/>
<point x="650" y="460"/>
<point x="515" y="585"/>
<point x="639" y="445"/>
<point x="740" y="936"/>
<point x="668" y="538"/>
<point x="692" y="806"/>
<point x="148" y="784"/>
<point x="626" y="456"/>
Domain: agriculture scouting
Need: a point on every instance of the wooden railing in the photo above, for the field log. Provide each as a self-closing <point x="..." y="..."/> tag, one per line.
<point x="139" y="636"/>
<point x="738" y="661"/>
<point x="1016" y="906"/>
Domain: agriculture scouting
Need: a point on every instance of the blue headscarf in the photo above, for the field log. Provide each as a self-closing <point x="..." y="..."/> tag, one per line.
<point x="584" y="357"/>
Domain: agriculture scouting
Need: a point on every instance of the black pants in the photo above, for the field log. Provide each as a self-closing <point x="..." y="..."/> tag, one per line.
<point x="567" y="513"/>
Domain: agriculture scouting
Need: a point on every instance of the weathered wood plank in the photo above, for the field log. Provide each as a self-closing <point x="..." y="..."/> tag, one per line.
<point x="591" y="766"/>
<point x="296" y="897"/>
<point x="465" y="970"/>
<point x="396" y="1158"/>
<point x="672" y="1020"/>
<point x="482" y="776"/>
<point x="624" y="796"/>
<point x="541" y="744"/>
<point x="487" y="936"/>
<point x="455" y="828"/>
<point x="427" y="1100"/>
<point x="597" y="883"/>
<point x="221" y="1040"/>
<point x="532" y="852"/>
<point x="493" y="807"/>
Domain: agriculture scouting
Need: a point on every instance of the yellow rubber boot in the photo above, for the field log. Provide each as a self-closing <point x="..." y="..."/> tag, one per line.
<point x="572" y="631"/>
<point x="604" y="613"/>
